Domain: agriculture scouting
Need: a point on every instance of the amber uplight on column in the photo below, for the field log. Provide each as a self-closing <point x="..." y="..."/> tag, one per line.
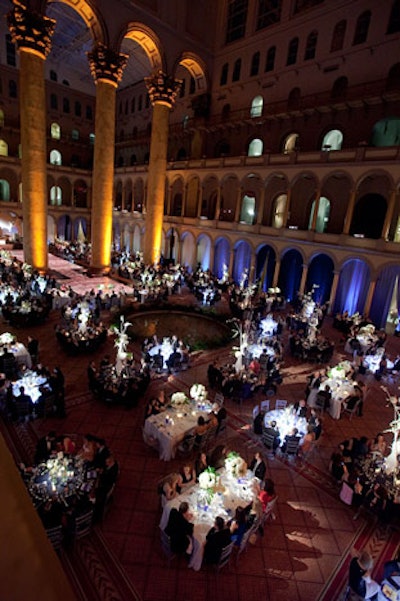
<point x="162" y="90"/>
<point x="106" y="67"/>
<point x="32" y="32"/>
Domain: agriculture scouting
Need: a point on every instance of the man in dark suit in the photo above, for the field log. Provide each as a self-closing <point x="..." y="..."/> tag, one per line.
<point x="273" y="431"/>
<point x="180" y="528"/>
<point x="217" y="538"/>
<point x="258" y="467"/>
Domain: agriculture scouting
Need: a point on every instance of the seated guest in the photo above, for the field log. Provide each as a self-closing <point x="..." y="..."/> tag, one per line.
<point x="217" y="538"/>
<point x="257" y="466"/>
<point x="68" y="446"/>
<point x="188" y="475"/>
<point x="360" y="581"/>
<point x="201" y="464"/>
<point x="102" y="453"/>
<point x="338" y="468"/>
<point x="273" y="431"/>
<point x="292" y="437"/>
<point x="218" y="456"/>
<point x="45" y="447"/>
<point x="51" y="513"/>
<point x="200" y="430"/>
<point x="88" y="450"/>
<point x="238" y="525"/>
<point x="171" y="487"/>
<point x="266" y="493"/>
<point x="180" y="529"/>
<point x="379" y="444"/>
<point x="308" y="439"/>
<point x="300" y="408"/>
<point x="324" y="398"/>
<point x="316" y="423"/>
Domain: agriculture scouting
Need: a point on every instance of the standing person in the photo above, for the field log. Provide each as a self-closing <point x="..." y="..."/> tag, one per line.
<point x="360" y="581"/>
<point x="33" y="350"/>
<point x="58" y="386"/>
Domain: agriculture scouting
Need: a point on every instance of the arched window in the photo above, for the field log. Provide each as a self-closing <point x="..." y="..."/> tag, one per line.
<point x="236" y="69"/>
<point x="4" y="190"/>
<point x="12" y="89"/>
<point x="66" y="107"/>
<point x="53" y="75"/>
<point x="279" y="211"/>
<point x="332" y="140"/>
<point x="55" y="196"/>
<point x="362" y="27"/>
<point x="192" y="85"/>
<point x="3" y="148"/>
<point x="393" y="78"/>
<point x="133" y="160"/>
<point x="339" y="88"/>
<point x="53" y="102"/>
<point x="292" y="51"/>
<point x="338" y="36"/>
<point x="55" y="157"/>
<point x="324" y="209"/>
<point x="248" y="209"/>
<point x="269" y="13"/>
<point x="55" y="131"/>
<point x="255" y="64"/>
<point x="257" y="106"/>
<point x="394" y="19"/>
<point x="75" y="134"/>
<point x="92" y="138"/>
<point x="89" y="112"/>
<point x="294" y="99"/>
<point x="10" y="51"/>
<point x="78" y="108"/>
<point x="290" y="143"/>
<point x="311" y="46"/>
<point x="270" y="60"/>
<point x="255" y="148"/>
<point x="223" y="80"/>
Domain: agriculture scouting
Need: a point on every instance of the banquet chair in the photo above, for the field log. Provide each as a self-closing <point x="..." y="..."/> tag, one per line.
<point x="185" y="448"/>
<point x="292" y="446"/>
<point x="55" y="536"/>
<point x="268" y="513"/>
<point x="351" y="411"/>
<point x="279" y="404"/>
<point x="244" y="543"/>
<point x="225" y="557"/>
<point x="151" y="441"/>
<point x="265" y="406"/>
<point x="268" y="440"/>
<point x="166" y="547"/>
<point x="83" y="524"/>
<point x="219" y="398"/>
<point x="256" y="411"/>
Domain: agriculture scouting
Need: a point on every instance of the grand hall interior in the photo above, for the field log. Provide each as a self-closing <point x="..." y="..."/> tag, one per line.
<point x="200" y="300"/>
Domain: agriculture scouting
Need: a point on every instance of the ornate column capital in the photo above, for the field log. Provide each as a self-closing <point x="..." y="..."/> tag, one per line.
<point x="29" y="29"/>
<point x="106" y="64"/>
<point x="162" y="88"/>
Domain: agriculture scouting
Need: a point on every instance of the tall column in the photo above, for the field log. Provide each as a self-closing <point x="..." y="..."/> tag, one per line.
<point x="316" y="209"/>
<point x="349" y="213"/>
<point x="260" y="207"/>
<point x="389" y="215"/>
<point x="370" y="296"/>
<point x="218" y="204"/>
<point x="332" y="295"/>
<point x="32" y="32"/>
<point x="287" y="208"/>
<point x="238" y="206"/>
<point x="276" y="273"/>
<point x="106" y="67"/>
<point x="303" y="279"/>
<point x="162" y="90"/>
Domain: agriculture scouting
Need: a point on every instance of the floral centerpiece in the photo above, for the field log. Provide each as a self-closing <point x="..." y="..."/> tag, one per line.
<point x="7" y="338"/>
<point x="340" y="371"/>
<point x="198" y="392"/>
<point x="235" y="465"/>
<point x="208" y="482"/>
<point x="178" y="399"/>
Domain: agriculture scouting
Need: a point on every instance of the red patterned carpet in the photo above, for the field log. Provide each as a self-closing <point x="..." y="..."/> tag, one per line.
<point x="305" y="551"/>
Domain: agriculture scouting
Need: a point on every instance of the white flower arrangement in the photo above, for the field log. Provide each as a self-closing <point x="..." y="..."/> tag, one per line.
<point x="208" y="479"/>
<point x="235" y="465"/>
<point x="198" y="392"/>
<point x="178" y="399"/>
<point x="7" y="338"/>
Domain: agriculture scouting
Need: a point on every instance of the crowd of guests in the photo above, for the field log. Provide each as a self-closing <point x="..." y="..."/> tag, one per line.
<point x="126" y="386"/>
<point x="176" y="353"/>
<point x="101" y="473"/>
<point x="224" y="532"/>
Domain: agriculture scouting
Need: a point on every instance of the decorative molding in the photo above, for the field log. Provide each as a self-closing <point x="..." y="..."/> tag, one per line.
<point x="107" y="64"/>
<point x="30" y="29"/>
<point x="162" y="88"/>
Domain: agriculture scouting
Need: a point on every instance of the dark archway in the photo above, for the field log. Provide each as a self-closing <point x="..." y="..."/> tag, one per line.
<point x="290" y="274"/>
<point x="369" y="216"/>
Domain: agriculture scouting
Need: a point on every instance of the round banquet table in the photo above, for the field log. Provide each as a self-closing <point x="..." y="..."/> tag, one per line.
<point x="286" y="420"/>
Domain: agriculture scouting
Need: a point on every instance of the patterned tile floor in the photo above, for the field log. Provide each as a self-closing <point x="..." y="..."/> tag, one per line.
<point x="305" y="550"/>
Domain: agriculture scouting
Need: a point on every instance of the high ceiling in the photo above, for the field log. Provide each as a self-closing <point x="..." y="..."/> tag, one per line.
<point x="71" y="42"/>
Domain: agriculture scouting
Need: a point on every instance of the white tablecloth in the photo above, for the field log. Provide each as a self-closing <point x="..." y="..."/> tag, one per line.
<point x="286" y="421"/>
<point x="31" y="383"/>
<point x="171" y="426"/>
<point x="340" y="389"/>
<point x="234" y="492"/>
